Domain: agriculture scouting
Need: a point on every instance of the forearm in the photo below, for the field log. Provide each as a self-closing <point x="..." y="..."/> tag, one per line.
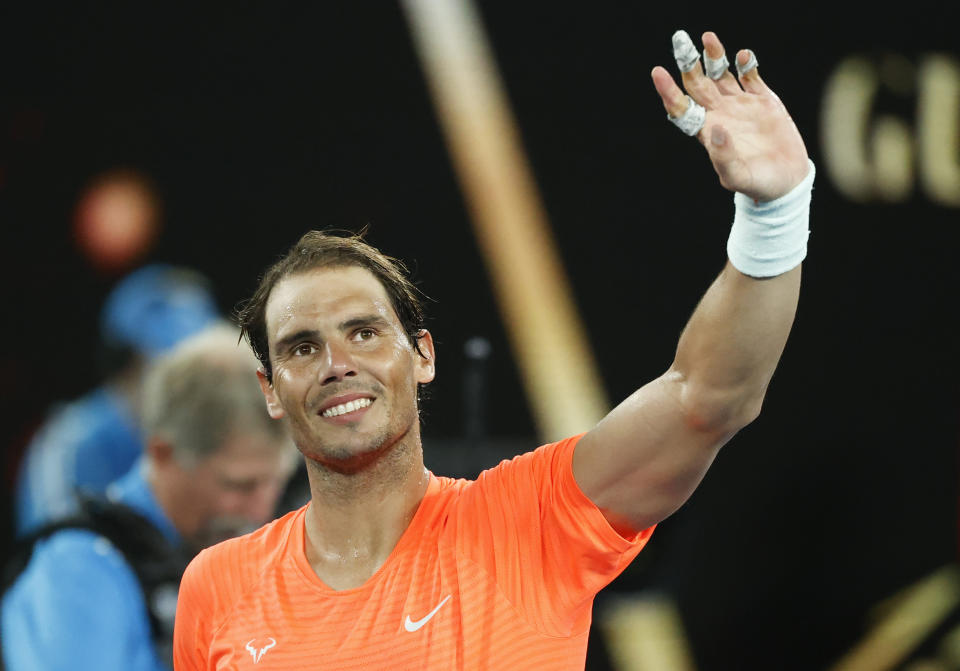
<point x="642" y="461"/>
<point x="731" y="345"/>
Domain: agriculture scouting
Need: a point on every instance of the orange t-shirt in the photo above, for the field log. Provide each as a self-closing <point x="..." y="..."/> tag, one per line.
<point x="496" y="573"/>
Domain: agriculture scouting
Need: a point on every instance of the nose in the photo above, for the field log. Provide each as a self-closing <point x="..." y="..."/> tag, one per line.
<point x="338" y="364"/>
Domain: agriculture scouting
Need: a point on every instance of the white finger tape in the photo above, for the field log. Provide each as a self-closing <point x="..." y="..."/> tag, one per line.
<point x="749" y="65"/>
<point x="715" y="67"/>
<point x="684" y="52"/>
<point x="692" y="120"/>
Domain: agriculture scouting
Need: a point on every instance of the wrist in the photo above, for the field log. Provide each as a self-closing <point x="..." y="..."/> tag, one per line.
<point x="769" y="238"/>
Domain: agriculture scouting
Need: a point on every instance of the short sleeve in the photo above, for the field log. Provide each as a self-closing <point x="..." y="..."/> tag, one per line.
<point x="191" y="635"/>
<point x="550" y="548"/>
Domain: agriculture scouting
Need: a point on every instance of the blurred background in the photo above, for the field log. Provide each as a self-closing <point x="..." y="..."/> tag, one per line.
<point x="824" y="531"/>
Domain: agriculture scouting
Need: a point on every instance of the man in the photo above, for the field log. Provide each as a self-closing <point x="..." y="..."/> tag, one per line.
<point x="214" y="465"/>
<point x="390" y="566"/>
<point x="90" y="442"/>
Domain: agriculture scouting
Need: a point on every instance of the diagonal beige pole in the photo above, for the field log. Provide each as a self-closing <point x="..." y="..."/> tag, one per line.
<point x="915" y="614"/>
<point x="645" y="632"/>
<point x="558" y="370"/>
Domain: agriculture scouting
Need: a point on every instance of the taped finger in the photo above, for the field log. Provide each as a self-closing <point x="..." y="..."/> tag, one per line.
<point x="749" y="65"/>
<point x="692" y="120"/>
<point x="715" y="67"/>
<point x="684" y="51"/>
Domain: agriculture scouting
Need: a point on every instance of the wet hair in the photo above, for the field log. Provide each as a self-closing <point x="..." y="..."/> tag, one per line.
<point x="331" y="249"/>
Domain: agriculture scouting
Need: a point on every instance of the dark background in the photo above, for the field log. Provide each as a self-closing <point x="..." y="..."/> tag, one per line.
<point x="259" y="121"/>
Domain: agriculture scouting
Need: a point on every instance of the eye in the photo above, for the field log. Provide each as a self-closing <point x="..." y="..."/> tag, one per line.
<point x="364" y="334"/>
<point x="304" y="349"/>
<point x="245" y="486"/>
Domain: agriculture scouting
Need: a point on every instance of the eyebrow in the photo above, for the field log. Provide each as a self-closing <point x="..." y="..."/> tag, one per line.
<point x="303" y="334"/>
<point x="366" y="320"/>
<point x="313" y="334"/>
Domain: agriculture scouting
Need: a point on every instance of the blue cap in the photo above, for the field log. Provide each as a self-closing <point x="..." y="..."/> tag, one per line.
<point x="155" y="307"/>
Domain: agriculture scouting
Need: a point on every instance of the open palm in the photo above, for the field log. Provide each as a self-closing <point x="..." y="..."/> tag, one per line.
<point x="753" y="143"/>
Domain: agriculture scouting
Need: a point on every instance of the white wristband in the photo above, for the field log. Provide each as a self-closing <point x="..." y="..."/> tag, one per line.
<point x="770" y="238"/>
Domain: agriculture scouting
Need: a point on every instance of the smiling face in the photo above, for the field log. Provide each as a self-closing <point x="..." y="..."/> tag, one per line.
<point x="345" y="373"/>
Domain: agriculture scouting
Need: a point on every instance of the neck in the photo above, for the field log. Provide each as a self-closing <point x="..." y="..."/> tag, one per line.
<point x="126" y="385"/>
<point x="356" y="519"/>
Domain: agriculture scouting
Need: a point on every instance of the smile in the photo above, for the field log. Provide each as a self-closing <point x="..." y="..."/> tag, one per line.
<point x="349" y="406"/>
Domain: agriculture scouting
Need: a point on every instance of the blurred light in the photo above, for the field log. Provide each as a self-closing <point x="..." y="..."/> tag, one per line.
<point x="116" y="221"/>
<point x="477" y="348"/>
<point x="646" y="633"/>
<point x="913" y="615"/>
<point x="939" y="128"/>
<point x="873" y="156"/>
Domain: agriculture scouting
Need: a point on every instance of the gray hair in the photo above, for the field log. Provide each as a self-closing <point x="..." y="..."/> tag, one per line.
<point x="204" y="391"/>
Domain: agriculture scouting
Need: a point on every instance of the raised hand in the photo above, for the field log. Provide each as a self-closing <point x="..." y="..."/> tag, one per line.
<point x="753" y="143"/>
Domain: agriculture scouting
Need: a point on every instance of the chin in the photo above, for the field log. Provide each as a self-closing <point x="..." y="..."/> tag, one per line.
<point x="352" y="456"/>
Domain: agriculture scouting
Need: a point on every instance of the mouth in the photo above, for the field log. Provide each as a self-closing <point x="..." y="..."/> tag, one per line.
<point x="344" y="406"/>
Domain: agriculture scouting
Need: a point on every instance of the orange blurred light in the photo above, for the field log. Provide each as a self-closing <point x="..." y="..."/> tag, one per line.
<point x="116" y="221"/>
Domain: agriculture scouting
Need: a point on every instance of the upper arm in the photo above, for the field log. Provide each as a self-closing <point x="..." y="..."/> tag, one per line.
<point x="645" y="458"/>
<point x="77" y="605"/>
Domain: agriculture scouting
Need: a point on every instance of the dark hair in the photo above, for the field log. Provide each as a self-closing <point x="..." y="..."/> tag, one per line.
<point x="326" y="249"/>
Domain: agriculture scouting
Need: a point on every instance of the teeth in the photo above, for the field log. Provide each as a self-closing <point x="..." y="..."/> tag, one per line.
<point x="349" y="406"/>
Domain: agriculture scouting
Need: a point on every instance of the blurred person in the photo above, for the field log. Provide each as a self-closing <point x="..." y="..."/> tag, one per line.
<point x="213" y="467"/>
<point x="391" y="566"/>
<point x="89" y="442"/>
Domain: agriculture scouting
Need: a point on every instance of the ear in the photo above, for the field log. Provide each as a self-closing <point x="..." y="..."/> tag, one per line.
<point x="425" y="362"/>
<point x="270" y="395"/>
<point x="159" y="451"/>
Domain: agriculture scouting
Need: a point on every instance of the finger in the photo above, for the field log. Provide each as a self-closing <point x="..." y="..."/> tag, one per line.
<point x="748" y="73"/>
<point x="685" y="114"/>
<point x="684" y="52"/>
<point x="674" y="100"/>
<point x="695" y="82"/>
<point x="716" y="65"/>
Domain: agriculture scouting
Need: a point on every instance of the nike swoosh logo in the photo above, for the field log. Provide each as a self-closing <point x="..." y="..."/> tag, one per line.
<point x="410" y="625"/>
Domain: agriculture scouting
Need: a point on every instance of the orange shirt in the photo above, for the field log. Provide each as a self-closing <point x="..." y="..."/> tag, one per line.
<point x="496" y="573"/>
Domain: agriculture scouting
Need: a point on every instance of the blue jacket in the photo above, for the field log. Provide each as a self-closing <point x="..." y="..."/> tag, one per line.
<point x="78" y="605"/>
<point x="86" y="444"/>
